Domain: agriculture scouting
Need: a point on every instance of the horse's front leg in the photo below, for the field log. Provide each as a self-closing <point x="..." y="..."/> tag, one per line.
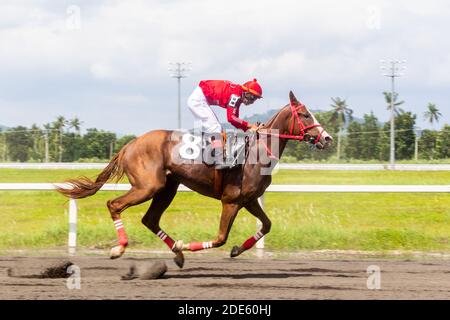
<point x="255" y="209"/>
<point x="229" y="212"/>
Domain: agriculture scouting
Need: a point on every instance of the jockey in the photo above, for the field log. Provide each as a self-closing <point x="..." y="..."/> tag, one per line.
<point x="227" y="95"/>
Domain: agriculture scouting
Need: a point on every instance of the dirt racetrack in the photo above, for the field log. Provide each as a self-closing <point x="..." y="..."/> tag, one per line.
<point x="220" y="277"/>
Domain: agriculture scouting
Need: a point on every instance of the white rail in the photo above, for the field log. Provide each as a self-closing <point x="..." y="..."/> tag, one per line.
<point x="366" y="167"/>
<point x="73" y="211"/>
<point x="285" y="166"/>
<point x="272" y="188"/>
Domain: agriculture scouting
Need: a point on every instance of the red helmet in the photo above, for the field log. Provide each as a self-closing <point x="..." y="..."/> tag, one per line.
<point x="253" y="87"/>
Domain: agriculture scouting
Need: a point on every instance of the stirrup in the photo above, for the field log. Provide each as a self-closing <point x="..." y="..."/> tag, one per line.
<point x="221" y="166"/>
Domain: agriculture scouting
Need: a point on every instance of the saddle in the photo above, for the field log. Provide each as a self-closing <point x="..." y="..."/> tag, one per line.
<point x="233" y="153"/>
<point x="233" y="156"/>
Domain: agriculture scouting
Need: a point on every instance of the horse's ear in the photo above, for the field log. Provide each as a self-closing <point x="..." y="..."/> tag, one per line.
<point x="292" y="98"/>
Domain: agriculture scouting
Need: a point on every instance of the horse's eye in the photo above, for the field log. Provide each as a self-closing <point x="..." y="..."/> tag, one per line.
<point x="306" y="116"/>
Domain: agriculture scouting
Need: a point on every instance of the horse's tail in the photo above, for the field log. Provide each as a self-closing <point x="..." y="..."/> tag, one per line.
<point x="84" y="187"/>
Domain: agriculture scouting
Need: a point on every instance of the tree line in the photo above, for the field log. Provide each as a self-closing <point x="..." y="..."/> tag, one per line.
<point x="59" y="141"/>
<point x="62" y="141"/>
<point x="370" y="140"/>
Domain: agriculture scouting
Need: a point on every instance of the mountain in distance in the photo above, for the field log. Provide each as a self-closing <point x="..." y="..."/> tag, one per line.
<point x="3" y="128"/>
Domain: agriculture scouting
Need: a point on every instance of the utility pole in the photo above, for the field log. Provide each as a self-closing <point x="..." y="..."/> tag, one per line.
<point x="392" y="70"/>
<point x="416" y="143"/>
<point x="60" y="149"/>
<point x="338" y="155"/>
<point x="111" y="149"/>
<point x="179" y="70"/>
<point x="46" y="146"/>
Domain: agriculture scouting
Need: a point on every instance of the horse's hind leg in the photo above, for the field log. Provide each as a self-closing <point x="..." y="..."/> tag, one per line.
<point x="116" y="206"/>
<point x="139" y="193"/>
<point x="160" y="202"/>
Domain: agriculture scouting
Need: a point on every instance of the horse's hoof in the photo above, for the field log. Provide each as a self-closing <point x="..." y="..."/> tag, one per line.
<point x="178" y="246"/>
<point x="117" y="252"/>
<point x="235" y="252"/>
<point x="179" y="260"/>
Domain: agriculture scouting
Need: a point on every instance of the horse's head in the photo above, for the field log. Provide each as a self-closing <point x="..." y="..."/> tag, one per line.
<point x="304" y="125"/>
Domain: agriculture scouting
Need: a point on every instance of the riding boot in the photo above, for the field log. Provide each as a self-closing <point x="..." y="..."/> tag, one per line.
<point x="217" y="147"/>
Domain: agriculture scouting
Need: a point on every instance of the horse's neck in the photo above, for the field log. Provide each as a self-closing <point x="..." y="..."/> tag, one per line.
<point x="253" y="172"/>
<point x="281" y="145"/>
<point x="279" y="123"/>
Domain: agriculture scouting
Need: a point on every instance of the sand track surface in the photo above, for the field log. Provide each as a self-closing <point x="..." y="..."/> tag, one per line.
<point x="212" y="277"/>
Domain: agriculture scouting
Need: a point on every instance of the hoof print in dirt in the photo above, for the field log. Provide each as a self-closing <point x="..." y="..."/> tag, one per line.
<point x="57" y="271"/>
<point x="146" y="271"/>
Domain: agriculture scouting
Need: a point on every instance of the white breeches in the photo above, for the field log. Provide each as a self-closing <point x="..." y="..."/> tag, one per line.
<point x="205" y="119"/>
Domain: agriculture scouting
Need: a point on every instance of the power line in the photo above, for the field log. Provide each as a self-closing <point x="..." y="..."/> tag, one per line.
<point x="30" y="130"/>
<point x="379" y="131"/>
<point x="344" y="133"/>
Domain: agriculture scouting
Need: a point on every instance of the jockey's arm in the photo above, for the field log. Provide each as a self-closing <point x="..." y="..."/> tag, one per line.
<point x="233" y="118"/>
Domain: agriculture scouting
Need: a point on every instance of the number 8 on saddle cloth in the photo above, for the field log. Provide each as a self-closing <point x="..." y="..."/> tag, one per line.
<point x="233" y="152"/>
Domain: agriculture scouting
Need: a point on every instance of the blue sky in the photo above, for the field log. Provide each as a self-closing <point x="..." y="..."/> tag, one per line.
<point x="106" y="61"/>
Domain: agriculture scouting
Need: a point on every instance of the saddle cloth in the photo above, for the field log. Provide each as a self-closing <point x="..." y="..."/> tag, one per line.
<point x="233" y="148"/>
<point x="197" y="146"/>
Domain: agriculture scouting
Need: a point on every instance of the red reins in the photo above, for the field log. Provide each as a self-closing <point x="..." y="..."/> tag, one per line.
<point x="302" y="127"/>
<point x="291" y="135"/>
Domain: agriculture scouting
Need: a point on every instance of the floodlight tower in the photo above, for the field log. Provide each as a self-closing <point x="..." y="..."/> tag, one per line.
<point x="392" y="69"/>
<point x="179" y="70"/>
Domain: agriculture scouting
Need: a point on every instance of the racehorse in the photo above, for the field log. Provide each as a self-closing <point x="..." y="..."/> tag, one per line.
<point x="154" y="173"/>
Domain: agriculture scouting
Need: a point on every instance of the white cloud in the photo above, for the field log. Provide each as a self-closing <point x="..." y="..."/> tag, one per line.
<point x="102" y="70"/>
<point x="319" y="48"/>
<point x="440" y="74"/>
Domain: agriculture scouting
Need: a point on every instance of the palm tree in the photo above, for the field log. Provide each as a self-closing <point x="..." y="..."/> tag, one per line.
<point x="397" y="109"/>
<point x="60" y="122"/>
<point x="432" y="114"/>
<point x="341" y="114"/>
<point x="75" y="123"/>
<point x="59" y="125"/>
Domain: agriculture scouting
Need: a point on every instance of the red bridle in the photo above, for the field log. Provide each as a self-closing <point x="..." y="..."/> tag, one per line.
<point x="300" y="137"/>
<point x="303" y="129"/>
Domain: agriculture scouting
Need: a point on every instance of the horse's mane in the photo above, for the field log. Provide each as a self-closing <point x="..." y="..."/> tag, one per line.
<point x="274" y="117"/>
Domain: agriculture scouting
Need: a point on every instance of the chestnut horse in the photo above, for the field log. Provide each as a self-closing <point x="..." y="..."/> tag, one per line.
<point x="154" y="173"/>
